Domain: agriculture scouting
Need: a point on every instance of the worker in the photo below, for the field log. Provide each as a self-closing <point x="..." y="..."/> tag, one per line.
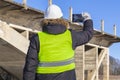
<point x="51" y="52"/>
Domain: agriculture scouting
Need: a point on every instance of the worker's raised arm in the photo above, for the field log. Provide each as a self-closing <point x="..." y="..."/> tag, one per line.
<point x="82" y="37"/>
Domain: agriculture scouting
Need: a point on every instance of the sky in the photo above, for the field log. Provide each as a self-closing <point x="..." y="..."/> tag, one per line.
<point x="108" y="10"/>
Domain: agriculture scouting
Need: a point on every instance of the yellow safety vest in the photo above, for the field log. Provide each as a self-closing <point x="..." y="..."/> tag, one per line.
<point x="56" y="54"/>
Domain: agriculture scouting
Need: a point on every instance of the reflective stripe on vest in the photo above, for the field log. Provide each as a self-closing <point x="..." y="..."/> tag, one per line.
<point x="59" y="63"/>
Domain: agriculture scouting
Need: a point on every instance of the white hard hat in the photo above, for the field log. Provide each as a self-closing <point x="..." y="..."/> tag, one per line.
<point x="53" y="12"/>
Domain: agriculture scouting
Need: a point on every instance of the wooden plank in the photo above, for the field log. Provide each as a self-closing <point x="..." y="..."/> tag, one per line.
<point x="26" y="34"/>
<point x="70" y="14"/>
<point x="94" y="72"/>
<point x="25" y="4"/>
<point x="102" y="26"/>
<point x="49" y="2"/>
<point x="90" y="57"/>
<point x="106" y="66"/>
<point x="100" y="59"/>
<point x="22" y="28"/>
<point x="79" y="53"/>
<point x="19" y="27"/>
<point x="12" y="37"/>
<point x="1" y="32"/>
<point x="90" y="67"/>
<point x="97" y="69"/>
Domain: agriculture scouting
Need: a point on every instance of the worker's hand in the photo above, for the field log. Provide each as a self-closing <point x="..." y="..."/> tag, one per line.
<point x="86" y="16"/>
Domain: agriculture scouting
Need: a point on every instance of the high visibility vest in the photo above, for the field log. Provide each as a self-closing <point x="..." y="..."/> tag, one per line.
<point x="56" y="54"/>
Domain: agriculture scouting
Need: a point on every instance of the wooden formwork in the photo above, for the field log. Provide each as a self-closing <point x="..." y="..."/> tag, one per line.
<point x="23" y="23"/>
<point x="88" y="59"/>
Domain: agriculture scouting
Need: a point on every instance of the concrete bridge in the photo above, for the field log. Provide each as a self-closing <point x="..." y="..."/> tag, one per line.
<point x="18" y="24"/>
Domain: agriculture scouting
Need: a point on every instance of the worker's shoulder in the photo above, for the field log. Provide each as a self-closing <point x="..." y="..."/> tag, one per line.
<point x="34" y="37"/>
<point x="72" y="31"/>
